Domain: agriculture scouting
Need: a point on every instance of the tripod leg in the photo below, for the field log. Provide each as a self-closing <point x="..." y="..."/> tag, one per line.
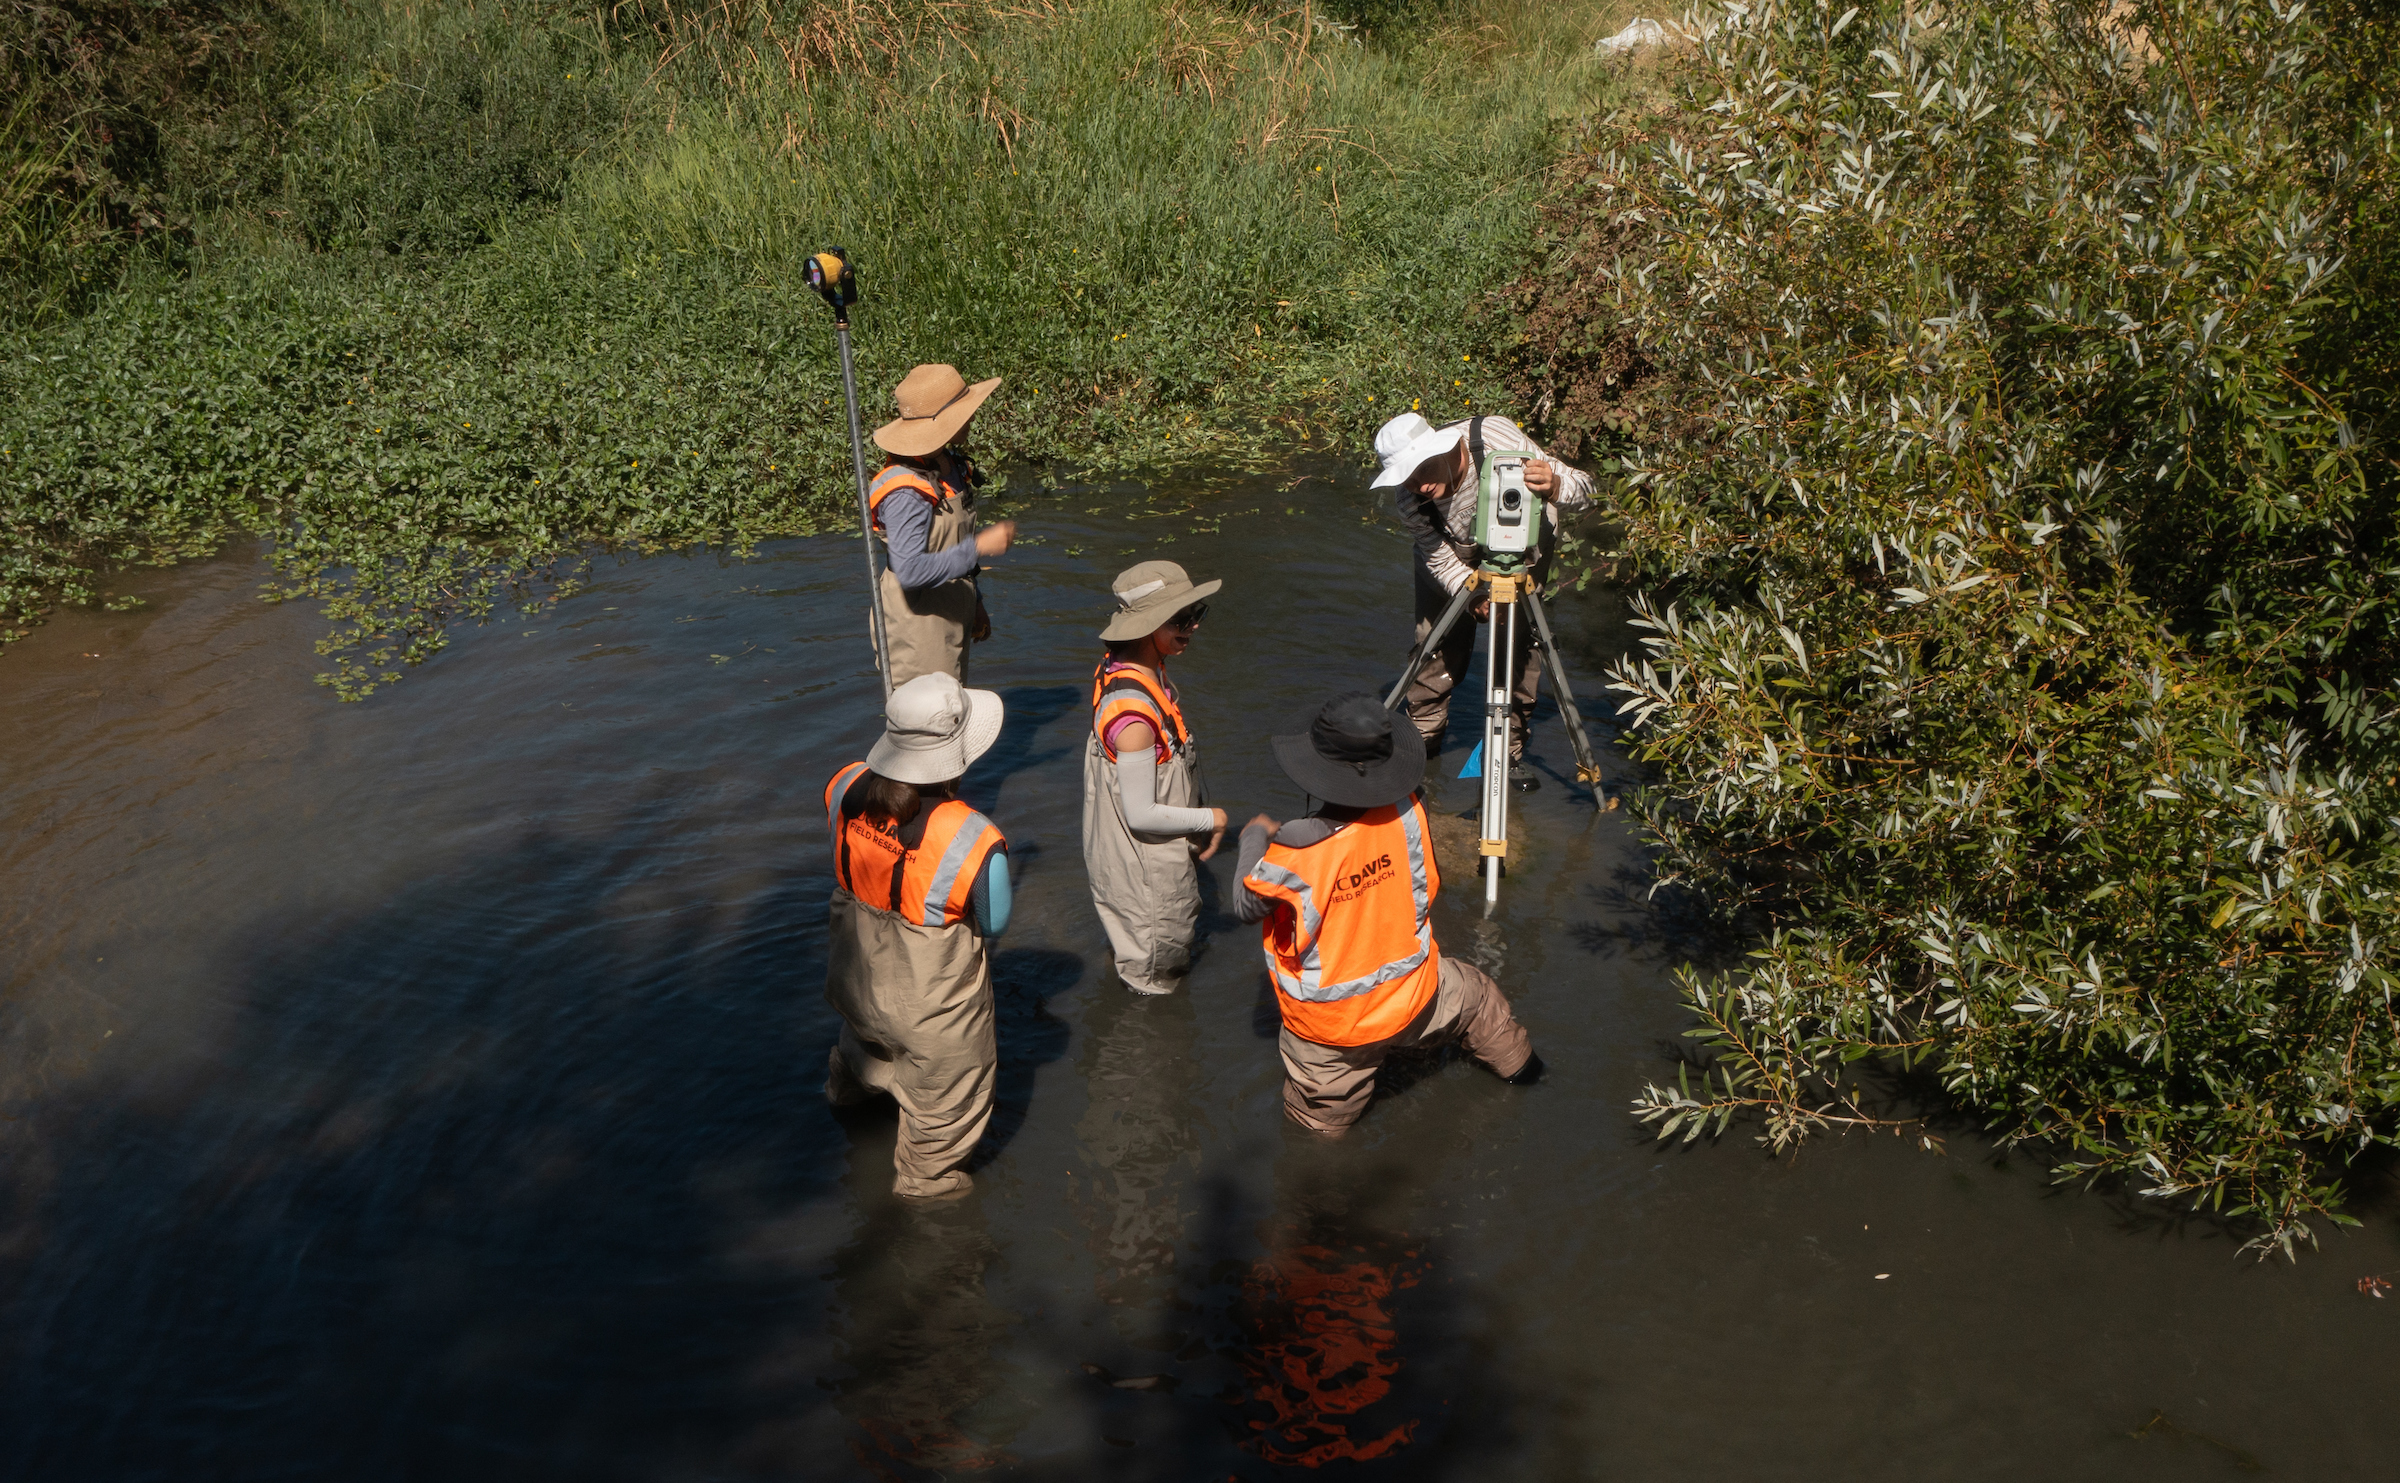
<point x="1586" y="768"/>
<point x="1433" y="640"/>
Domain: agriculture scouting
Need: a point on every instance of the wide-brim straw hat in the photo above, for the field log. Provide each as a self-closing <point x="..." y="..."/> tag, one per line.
<point x="1405" y="443"/>
<point x="1148" y="595"/>
<point x="932" y="728"/>
<point x="1353" y="753"/>
<point x="935" y="402"/>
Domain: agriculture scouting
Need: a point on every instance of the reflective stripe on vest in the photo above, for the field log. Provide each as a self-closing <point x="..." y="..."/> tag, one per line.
<point x="1129" y="690"/>
<point x="932" y="885"/>
<point x="1380" y="964"/>
<point x="956" y="844"/>
<point x="902" y="476"/>
<point x="845" y="869"/>
<point x="834" y="791"/>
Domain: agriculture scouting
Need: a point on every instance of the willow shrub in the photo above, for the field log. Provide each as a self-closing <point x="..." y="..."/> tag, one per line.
<point x="528" y="288"/>
<point x="2015" y="536"/>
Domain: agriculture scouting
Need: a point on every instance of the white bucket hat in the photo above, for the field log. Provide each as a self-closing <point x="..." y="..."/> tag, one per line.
<point x="932" y="728"/>
<point x="1405" y="442"/>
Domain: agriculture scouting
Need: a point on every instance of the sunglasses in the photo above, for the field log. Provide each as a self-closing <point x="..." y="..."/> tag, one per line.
<point x="1190" y="617"/>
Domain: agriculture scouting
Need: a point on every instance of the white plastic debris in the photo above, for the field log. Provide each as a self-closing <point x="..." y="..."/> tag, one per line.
<point x="1640" y="31"/>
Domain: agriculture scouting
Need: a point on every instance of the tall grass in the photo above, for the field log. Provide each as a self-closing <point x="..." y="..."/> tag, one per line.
<point x="510" y="291"/>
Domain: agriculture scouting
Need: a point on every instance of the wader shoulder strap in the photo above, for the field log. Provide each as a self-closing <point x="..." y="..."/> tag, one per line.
<point x="1171" y="715"/>
<point x="900" y="476"/>
<point x="836" y="792"/>
<point x="1131" y="682"/>
<point x="1475" y="442"/>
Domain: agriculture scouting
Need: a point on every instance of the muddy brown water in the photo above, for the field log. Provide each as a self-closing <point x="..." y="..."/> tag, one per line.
<point x="430" y="1088"/>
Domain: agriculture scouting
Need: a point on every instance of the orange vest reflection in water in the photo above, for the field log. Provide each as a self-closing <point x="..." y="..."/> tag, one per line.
<point x="1322" y="1354"/>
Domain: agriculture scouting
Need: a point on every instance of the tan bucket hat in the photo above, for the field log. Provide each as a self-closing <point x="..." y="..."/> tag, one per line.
<point x="1148" y="595"/>
<point x="932" y="728"/>
<point x="935" y="402"/>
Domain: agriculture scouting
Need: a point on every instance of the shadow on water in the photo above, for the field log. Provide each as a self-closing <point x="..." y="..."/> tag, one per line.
<point x="917" y="1330"/>
<point x="442" y="1204"/>
<point x="1023" y="980"/>
<point x="1030" y="708"/>
<point x="1669" y="926"/>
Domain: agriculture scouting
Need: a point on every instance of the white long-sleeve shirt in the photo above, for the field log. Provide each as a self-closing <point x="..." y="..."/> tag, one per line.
<point x="1444" y="527"/>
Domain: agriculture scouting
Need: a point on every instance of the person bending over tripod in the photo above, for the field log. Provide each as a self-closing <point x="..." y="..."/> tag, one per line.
<point x="1433" y="474"/>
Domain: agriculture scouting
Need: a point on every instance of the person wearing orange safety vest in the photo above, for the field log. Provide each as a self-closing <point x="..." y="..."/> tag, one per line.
<point x="1345" y="902"/>
<point x="923" y="505"/>
<point x="920" y="885"/>
<point x="1144" y="810"/>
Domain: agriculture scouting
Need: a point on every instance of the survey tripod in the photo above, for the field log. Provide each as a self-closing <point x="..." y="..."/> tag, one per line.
<point x="1507" y="528"/>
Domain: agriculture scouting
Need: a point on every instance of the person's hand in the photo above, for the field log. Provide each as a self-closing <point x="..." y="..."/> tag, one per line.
<point x="1263" y="822"/>
<point x="1217" y="835"/>
<point x="994" y="539"/>
<point x="1483" y="607"/>
<point x="1541" y="477"/>
<point x="983" y="623"/>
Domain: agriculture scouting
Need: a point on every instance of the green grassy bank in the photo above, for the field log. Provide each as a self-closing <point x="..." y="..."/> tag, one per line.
<point x="457" y="289"/>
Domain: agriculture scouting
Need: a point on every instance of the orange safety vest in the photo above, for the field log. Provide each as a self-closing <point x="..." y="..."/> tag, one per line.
<point x="930" y="885"/>
<point x="1131" y="691"/>
<point x="1353" y="955"/>
<point x="907" y="476"/>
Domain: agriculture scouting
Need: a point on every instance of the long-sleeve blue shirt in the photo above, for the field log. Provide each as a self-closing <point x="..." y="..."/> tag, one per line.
<point x="907" y="518"/>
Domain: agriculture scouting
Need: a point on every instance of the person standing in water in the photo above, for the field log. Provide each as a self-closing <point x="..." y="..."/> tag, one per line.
<point x="933" y="610"/>
<point x="920" y="886"/>
<point x="1143" y="807"/>
<point x="1344" y="899"/>
<point x="1435" y="476"/>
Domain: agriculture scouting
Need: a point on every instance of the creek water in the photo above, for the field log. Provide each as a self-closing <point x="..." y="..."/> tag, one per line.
<point x="431" y="1088"/>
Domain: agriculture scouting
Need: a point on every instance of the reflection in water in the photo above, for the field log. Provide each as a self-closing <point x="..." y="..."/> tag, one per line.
<point x="1324" y="1336"/>
<point x="1323" y="1349"/>
<point x="917" y="1329"/>
<point x="1138" y="1130"/>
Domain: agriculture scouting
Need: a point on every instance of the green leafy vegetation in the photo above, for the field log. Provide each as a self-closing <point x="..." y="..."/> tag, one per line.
<point x="2005" y="401"/>
<point x="469" y="292"/>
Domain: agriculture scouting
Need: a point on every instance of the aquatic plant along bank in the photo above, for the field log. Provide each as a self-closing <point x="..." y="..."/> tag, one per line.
<point x="484" y="293"/>
<point x="2004" y="403"/>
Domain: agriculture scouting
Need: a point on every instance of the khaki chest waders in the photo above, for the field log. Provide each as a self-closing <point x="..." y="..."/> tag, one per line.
<point x="917" y="1022"/>
<point x="927" y="631"/>
<point x="1146" y="887"/>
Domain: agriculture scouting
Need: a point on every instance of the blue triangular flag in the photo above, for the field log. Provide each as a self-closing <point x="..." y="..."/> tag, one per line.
<point x="1474" y="766"/>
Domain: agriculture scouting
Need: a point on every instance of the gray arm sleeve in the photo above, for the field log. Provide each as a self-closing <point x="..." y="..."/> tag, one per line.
<point x="1299" y="834"/>
<point x="1137" y="793"/>
<point x="907" y="519"/>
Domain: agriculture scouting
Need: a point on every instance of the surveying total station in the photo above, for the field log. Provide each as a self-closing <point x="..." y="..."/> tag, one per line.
<point x="1508" y="536"/>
